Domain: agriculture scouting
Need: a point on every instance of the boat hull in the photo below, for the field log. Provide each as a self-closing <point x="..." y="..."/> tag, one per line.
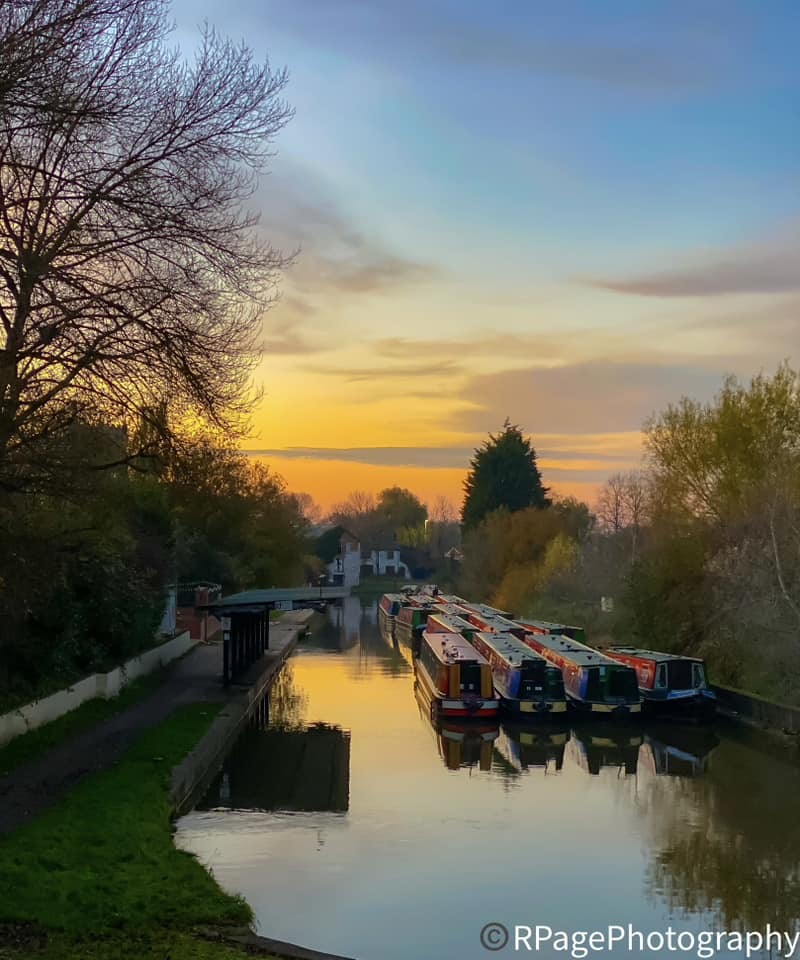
<point x="442" y="706"/>
<point x="609" y="711"/>
<point x="694" y="704"/>
<point x="532" y="709"/>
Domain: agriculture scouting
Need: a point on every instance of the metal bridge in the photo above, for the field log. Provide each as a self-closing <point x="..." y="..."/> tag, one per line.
<point x="245" y="621"/>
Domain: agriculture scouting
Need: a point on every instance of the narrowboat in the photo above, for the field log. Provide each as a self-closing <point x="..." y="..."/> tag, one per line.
<point x="484" y="610"/>
<point x="595" y="748"/>
<point x="414" y="615"/>
<point x="450" y="623"/>
<point x="390" y="604"/>
<point x="562" y="629"/>
<point x="454" y="677"/>
<point x="521" y="747"/>
<point x="668" y="684"/>
<point x="593" y="682"/>
<point x="492" y="623"/>
<point x="461" y="743"/>
<point x="526" y="684"/>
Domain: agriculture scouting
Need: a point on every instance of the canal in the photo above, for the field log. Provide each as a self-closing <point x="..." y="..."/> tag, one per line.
<point x="351" y="824"/>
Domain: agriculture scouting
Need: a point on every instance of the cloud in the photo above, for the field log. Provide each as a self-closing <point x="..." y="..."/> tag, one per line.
<point x="437" y="368"/>
<point x="447" y="457"/>
<point x="333" y="261"/>
<point x="423" y="33"/>
<point x="502" y="344"/>
<point x="771" y="267"/>
<point x="595" y="397"/>
<point x="333" y="255"/>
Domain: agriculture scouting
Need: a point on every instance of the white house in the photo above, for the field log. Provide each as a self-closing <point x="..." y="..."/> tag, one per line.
<point x="386" y="561"/>
<point x="345" y="568"/>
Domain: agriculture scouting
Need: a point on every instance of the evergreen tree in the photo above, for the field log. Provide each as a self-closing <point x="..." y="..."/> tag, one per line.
<point x="503" y="473"/>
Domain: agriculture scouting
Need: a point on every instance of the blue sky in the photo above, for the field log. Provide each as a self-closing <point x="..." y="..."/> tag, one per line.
<point x="495" y="201"/>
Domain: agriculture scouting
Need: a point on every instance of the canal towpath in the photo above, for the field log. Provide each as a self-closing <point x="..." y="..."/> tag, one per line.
<point x="196" y="678"/>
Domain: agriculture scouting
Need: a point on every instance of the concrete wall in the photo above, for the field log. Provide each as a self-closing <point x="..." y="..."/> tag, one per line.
<point x="104" y="685"/>
<point x="747" y="706"/>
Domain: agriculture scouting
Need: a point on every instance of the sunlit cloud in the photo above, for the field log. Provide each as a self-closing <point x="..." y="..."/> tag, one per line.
<point x="599" y="396"/>
<point x="555" y="459"/>
<point x="772" y="266"/>
<point x="436" y="369"/>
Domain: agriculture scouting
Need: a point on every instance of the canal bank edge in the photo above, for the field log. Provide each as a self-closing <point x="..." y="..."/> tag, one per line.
<point x="757" y="711"/>
<point x="190" y="778"/>
<point x="252" y="942"/>
<point x="192" y="775"/>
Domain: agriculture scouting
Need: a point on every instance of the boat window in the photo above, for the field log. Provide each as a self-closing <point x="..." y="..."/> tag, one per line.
<point x="680" y="674"/>
<point x="623" y="683"/>
<point x="661" y="676"/>
<point x="698" y="675"/>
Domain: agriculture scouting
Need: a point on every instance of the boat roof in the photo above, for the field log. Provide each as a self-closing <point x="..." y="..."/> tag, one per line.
<point x="485" y="610"/>
<point x="650" y="654"/>
<point x="547" y="625"/>
<point x="399" y="597"/>
<point x="452" y="609"/>
<point x="454" y="624"/>
<point x="498" y="624"/>
<point x="452" y="648"/>
<point x="574" y="650"/>
<point x="509" y="647"/>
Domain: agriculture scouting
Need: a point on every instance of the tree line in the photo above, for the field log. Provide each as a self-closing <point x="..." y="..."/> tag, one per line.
<point x="699" y="549"/>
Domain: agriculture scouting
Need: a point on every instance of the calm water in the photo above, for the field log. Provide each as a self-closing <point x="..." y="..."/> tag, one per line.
<point x="352" y="825"/>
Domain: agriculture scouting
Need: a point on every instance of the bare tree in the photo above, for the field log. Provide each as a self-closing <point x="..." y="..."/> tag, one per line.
<point x="610" y="509"/>
<point x="307" y="507"/>
<point x="443" y="510"/>
<point x="129" y="271"/>
<point x="357" y="504"/>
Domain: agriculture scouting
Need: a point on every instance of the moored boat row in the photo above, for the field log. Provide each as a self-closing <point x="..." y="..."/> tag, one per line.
<point x="473" y="660"/>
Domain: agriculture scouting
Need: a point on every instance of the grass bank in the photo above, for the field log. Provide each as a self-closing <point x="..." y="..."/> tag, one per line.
<point x="34" y="744"/>
<point x="99" y="876"/>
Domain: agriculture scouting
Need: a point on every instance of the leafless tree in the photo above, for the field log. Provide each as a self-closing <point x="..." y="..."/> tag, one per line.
<point x="443" y="510"/>
<point x="130" y="274"/>
<point x="623" y="506"/>
<point x="307" y="507"/>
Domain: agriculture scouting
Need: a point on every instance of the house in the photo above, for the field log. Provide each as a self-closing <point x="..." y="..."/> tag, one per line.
<point x="383" y="562"/>
<point x="345" y="567"/>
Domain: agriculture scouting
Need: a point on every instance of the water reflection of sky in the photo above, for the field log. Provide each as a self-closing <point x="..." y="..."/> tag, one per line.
<point x="446" y="830"/>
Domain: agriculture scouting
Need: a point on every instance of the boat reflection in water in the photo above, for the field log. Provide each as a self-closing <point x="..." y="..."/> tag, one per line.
<point x="595" y="746"/>
<point x="462" y="743"/>
<point x="674" y="751"/>
<point x="523" y="746"/>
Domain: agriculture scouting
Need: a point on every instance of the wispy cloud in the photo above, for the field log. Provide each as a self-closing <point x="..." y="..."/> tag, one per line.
<point x="769" y="267"/>
<point x="569" y="464"/>
<point x="597" y="397"/>
<point x="408" y="371"/>
<point x="333" y="254"/>
<point x="493" y="344"/>
<point x="509" y="39"/>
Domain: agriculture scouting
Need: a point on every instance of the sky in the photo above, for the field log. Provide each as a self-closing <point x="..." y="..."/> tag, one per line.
<point x="566" y="214"/>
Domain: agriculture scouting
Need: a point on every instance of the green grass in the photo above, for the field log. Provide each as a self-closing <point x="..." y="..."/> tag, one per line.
<point x="380" y="585"/>
<point x="158" y="944"/>
<point x="30" y="746"/>
<point x="103" y="859"/>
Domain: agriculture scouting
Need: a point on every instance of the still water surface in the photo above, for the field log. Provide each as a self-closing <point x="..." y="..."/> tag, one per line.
<point x="352" y="825"/>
